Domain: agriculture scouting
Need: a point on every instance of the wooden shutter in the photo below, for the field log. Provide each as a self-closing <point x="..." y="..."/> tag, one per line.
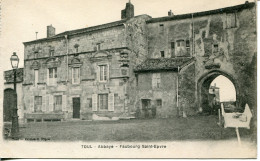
<point x="98" y="73"/>
<point x="154" y="83"/>
<point x="111" y="102"/>
<point x="94" y="102"/>
<point x="32" y="104"/>
<point x="44" y="103"/>
<point x="64" y="102"/>
<point x="50" y="102"/>
<point x="108" y="72"/>
<point x="48" y="76"/>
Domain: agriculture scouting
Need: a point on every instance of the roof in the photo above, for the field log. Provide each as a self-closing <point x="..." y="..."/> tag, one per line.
<point x="9" y="76"/>
<point x="163" y="64"/>
<point x="205" y="13"/>
<point x="83" y="30"/>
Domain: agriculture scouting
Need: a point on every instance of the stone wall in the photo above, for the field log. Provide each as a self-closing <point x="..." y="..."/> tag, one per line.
<point x="167" y="93"/>
<point x="217" y="47"/>
<point x="117" y="50"/>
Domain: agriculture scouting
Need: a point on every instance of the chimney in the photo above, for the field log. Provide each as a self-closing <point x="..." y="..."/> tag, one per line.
<point x="170" y="13"/>
<point x="128" y="12"/>
<point x="50" y="31"/>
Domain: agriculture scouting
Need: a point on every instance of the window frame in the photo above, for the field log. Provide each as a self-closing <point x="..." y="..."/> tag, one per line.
<point x="229" y="15"/>
<point x="54" y="76"/>
<point x="156" y="78"/>
<point x="72" y="72"/>
<point x="102" y="72"/>
<point x="162" y="54"/>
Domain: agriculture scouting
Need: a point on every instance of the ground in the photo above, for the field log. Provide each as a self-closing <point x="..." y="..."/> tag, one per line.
<point x="171" y="129"/>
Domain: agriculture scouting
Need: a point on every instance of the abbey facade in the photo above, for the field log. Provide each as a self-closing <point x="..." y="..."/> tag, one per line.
<point x="110" y="71"/>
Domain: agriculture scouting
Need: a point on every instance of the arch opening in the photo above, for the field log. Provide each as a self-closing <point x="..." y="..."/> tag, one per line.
<point x="216" y="88"/>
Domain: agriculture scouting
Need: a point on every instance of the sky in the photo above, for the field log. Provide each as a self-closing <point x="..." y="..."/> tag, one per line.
<point x="227" y="91"/>
<point x="20" y="19"/>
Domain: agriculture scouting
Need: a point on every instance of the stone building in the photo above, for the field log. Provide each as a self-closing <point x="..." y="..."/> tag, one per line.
<point x="110" y="70"/>
<point x="84" y="73"/>
<point x="187" y="52"/>
<point x="8" y="94"/>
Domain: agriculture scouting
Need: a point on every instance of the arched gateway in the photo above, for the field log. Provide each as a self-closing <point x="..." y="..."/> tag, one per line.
<point x="203" y="86"/>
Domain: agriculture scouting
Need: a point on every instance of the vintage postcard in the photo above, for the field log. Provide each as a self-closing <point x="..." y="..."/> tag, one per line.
<point x="128" y="79"/>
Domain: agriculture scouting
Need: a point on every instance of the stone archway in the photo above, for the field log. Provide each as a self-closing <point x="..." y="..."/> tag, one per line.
<point x="204" y="85"/>
<point x="8" y="104"/>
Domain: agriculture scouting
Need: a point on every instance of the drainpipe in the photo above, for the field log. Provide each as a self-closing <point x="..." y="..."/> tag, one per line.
<point x="67" y="53"/>
<point x="178" y="110"/>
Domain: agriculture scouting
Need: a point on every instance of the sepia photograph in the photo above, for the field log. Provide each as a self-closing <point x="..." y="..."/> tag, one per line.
<point x="128" y="79"/>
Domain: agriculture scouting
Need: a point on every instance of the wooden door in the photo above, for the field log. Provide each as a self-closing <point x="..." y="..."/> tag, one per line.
<point x="8" y="104"/>
<point x="76" y="107"/>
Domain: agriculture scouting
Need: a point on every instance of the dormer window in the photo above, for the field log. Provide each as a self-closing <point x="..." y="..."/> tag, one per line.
<point x="98" y="46"/>
<point x="36" y="54"/>
<point x="51" y="53"/>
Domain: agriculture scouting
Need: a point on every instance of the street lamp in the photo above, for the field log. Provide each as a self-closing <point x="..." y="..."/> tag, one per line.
<point x="15" y="126"/>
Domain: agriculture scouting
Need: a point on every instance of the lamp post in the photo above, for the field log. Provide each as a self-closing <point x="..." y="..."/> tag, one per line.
<point x="15" y="126"/>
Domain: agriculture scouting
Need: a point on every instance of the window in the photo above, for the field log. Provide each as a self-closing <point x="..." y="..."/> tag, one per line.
<point x="162" y="54"/>
<point x="36" y="53"/>
<point x="215" y="48"/>
<point x="159" y="103"/>
<point x="98" y="46"/>
<point x="187" y="43"/>
<point x="231" y="20"/>
<point x="172" y="49"/>
<point x="103" y="101"/>
<point x="52" y="77"/>
<point x="51" y="53"/>
<point x="103" y="73"/>
<point x="37" y="103"/>
<point x="36" y="77"/>
<point x="156" y="80"/>
<point x="161" y="28"/>
<point x="58" y="103"/>
<point x="75" y="75"/>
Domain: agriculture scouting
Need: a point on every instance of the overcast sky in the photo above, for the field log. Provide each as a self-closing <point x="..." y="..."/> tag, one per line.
<point x="20" y="19"/>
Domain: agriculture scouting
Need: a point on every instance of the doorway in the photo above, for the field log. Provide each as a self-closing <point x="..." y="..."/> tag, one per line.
<point x="76" y="107"/>
<point x="146" y="106"/>
<point x="8" y="104"/>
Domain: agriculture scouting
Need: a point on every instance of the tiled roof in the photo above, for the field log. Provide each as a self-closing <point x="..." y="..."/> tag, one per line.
<point x="163" y="64"/>
<point x="205" y="13"/>
<point x="78" y="31"/>
<point x="9" y="76"/>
